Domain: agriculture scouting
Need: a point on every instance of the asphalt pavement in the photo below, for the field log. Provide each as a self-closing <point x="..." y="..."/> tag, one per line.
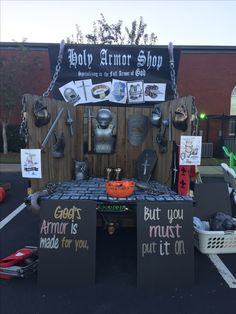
<point x="115" y="289"/>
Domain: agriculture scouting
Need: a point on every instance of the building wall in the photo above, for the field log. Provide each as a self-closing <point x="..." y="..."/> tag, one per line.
<point x="207" y="73"/>
<point x="41" y="74"/>
<point x="210" y="77"/>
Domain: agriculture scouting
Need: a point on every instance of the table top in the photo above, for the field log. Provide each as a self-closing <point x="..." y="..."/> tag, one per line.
<point x="94" y="189"/>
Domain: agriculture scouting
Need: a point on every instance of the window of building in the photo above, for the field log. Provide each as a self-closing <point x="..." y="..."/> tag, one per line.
<point x="232" y="126"/>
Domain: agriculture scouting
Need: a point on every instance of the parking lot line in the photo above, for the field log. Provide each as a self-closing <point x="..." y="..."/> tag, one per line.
<point x="12" y="215"/>
<point x="223" y="270"/>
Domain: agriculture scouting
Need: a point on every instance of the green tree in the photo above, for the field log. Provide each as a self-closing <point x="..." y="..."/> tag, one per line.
<point x="105" y="33"/>
<point x="17" y="77"/>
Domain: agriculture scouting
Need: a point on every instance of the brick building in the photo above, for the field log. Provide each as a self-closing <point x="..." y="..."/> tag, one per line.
<point x="209" y="74"/>
<point x="206" y="72"/>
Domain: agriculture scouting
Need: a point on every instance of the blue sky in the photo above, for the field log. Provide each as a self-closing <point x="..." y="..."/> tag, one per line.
<point x="196" y="22"/>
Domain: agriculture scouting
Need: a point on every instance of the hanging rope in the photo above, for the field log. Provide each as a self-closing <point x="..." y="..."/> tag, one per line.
<point x="23" y="126"/>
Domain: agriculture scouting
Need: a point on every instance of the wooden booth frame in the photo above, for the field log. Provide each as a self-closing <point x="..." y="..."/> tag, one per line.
<point x="125" y="155"/>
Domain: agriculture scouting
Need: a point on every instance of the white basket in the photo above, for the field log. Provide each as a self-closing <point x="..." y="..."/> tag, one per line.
<point x="215" y="242"/>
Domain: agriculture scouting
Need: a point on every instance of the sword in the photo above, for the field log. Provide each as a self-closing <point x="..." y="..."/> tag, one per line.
<point x="44" y="143"/>
<point x="89" y="130"/>
<point x="175" y="170"/>
<point x="69" y="122"/>
<point x="85" y="95"/>
<point x="170" y="125"/>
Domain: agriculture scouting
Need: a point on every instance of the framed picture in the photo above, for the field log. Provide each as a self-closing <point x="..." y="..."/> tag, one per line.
<point x="135" y="92"/>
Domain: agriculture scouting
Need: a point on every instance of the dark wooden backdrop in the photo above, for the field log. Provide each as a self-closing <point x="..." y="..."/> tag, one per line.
<point x="125" y="155"/>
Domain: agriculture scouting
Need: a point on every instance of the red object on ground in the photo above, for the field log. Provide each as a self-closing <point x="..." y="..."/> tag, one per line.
<point x="15" y="259"/>
<point x="2" y="194"/>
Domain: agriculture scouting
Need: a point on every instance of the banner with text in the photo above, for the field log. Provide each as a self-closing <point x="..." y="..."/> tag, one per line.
<point x="118" y="75"/>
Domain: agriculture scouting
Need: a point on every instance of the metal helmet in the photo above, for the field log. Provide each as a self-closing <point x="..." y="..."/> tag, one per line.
<point x="104" y="117"/>
<point x="70" y="95"/>
<point x="41" y="114"/>
<point x="156" y="117"/>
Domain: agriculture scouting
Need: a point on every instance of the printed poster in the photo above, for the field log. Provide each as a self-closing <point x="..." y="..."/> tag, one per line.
<point x="154" y="91"/>
<point x="31" y="163"/>
<point x="190" y="150"/>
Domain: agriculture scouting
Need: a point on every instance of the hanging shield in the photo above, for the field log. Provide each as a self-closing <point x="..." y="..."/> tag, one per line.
<point x="137" y="129"/>
<point x="145" y="164"/>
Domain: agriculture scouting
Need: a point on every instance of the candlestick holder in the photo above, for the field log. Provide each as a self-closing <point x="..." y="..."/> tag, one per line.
<point x="118" y="171"/>
<point x="108" y="173"/>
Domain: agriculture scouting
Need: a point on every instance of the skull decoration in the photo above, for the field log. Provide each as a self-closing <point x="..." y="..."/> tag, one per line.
<point x="104" y="118"/>
<point x="70" y="95"/>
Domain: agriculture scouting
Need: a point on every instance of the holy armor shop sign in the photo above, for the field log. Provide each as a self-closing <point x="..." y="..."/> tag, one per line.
<point x="99" y="63"/>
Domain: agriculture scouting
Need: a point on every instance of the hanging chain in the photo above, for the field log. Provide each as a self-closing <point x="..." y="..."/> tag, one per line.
<point x="194" y="112"/>
<point x="57" y="70"/>
<point x="195" y="122"/>
<point x="172" y="70"/>
<point x="24" y="135"/>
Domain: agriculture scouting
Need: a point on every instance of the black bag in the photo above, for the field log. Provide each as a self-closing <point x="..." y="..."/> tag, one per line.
<point x="221" y="222"/>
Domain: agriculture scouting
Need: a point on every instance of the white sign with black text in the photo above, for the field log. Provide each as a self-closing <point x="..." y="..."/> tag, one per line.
<point x="190" y="150"/>
<point x="31" y="163"/>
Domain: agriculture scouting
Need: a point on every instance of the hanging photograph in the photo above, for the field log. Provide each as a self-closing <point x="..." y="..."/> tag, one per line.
<point x="118" y="91"/>
<point x="70" y="93"/>
<point x="190" y="150"/>
<point x="100" y="92"/>
<point x="135" y="92"/>
<point x="154" y="91"/>
<point x="31" y="163"/>
<point x="84" y="88"/>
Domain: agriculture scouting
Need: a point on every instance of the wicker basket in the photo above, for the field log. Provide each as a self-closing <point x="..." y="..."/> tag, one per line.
<point x="215" y="242"/>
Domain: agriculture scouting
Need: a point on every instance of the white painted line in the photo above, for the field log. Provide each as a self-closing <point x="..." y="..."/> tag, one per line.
<point x="12" y="215"/>
<point x="223" y="270"/>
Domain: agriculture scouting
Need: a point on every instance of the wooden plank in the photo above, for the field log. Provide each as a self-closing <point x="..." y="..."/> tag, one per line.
<point x="120" y="155"/>
<point x="112" y="160"/>
<point x="125" y="155"/>
<point x="53" y="170"/>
